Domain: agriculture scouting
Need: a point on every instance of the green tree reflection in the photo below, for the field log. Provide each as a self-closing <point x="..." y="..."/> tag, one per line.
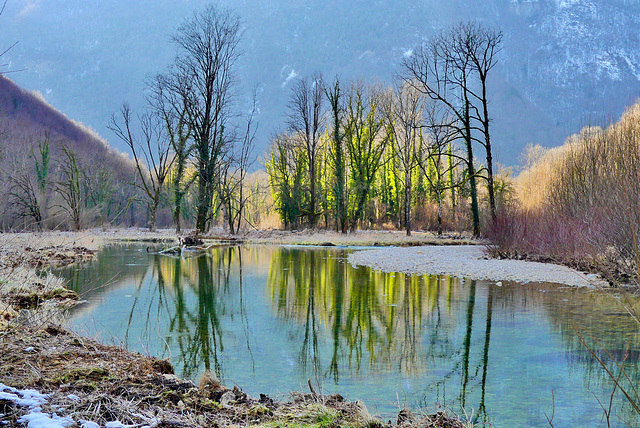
<point x="371" y="318"/>
<point x="196" y="323"/>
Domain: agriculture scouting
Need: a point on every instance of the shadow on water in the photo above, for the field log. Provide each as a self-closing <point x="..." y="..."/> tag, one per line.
<point x="269" y="318"/>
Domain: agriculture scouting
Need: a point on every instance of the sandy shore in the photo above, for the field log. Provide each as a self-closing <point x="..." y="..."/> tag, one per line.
<point x="468" y="261"/>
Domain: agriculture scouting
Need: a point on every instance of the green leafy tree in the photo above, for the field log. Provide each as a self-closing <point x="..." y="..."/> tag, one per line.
<point x="286" y="168"/>
<point x="367" y="139"/>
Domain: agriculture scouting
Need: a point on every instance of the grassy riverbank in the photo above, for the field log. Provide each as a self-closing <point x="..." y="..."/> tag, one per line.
<point x="89" y="381"/>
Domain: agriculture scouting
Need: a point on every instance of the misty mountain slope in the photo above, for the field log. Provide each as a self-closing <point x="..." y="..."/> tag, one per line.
<point x="564" y="63"/>
<point x="587" y="51"/>
<point x="26" y="119"/>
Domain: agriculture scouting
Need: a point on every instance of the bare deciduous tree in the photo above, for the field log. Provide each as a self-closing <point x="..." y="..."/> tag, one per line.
<point x="70" y="187"/>
<point x="172" y="110"/>
<point x="203" y="79"/>
<point x="306" y="122"/>
<point x="151" y="153"/>
<point x="29" y="185"/>
<point x="439" y="161"/>
<point x="337" y="153"/>
<point x="453" y="69"/>
<point x="482" y="45"/>
<point x="2" y="53"/>
<point x="234" y="169"/>
<point x="23" y="195"/>
<point x="442" y="70"/>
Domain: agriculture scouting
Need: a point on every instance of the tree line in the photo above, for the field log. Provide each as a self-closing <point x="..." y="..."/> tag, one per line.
<point x="351" y="155"/>
<point x="359" y="154"/>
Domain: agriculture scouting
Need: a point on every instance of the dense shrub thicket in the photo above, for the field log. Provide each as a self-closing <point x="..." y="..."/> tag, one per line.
<point x="580" y="203"/>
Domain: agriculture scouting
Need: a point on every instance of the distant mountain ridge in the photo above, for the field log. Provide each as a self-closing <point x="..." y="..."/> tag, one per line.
<point x="564" y="63"/>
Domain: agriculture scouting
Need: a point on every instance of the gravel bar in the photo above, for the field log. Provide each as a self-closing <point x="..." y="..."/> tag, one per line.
<point x="468" y="261"/>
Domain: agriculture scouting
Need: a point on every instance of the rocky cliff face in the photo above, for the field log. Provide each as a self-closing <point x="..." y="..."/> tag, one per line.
<point x="564" y="64"/>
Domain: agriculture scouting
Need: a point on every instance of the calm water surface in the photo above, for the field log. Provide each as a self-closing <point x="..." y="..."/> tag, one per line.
<point x="270" y="318"/>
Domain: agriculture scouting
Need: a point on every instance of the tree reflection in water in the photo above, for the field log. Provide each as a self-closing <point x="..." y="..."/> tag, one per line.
<point x="306" y="313"/>
<point x="371" y="318"/>
<point x="196" y="326"/>
<point x="379" y="322"/>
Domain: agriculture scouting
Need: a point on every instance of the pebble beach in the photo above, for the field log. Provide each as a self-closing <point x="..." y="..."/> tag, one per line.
<point x="471" y="262"/>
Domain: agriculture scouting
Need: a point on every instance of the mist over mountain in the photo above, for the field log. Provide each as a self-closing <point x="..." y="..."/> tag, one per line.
<point x="564" y="63"/>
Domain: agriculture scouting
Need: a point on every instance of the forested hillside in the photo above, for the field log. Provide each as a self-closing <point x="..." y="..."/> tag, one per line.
<point x="56" y="172"/>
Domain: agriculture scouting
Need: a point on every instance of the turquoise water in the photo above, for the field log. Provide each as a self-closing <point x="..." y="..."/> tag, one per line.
<point x="270" y="318"/>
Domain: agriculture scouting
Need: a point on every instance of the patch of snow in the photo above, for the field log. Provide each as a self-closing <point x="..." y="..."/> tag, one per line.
<point x="88" y="424"/>
<point x="287" y="73"/>
<point x="23" y="398"/>
<point x="37" y="419"/>
<point x="564" y="4"/>
<point x="118" y="424"/>
<point x="633" y="65"/>
<point x="608" y="66"/>
<point x="33" y="400"/>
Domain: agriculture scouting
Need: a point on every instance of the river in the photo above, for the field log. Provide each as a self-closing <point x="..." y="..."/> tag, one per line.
<point x="269" y="318"/>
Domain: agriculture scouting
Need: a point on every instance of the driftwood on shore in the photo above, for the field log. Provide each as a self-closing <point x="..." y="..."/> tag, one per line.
<point x="185" y="250"/>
